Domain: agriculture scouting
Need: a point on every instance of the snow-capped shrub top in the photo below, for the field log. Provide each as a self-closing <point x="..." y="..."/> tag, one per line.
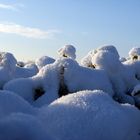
<point x="67" y="51"/>
<point x="106" y="60"/>
<point x="44" y="60"/>
<point x="109" y="48"/>
<point x="134" y="53"/>
<point x="7" y="60"/>
<point x="87" y="60"/>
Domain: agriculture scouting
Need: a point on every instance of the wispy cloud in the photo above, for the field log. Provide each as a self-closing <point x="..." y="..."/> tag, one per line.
<point x="14" y="7"/>
<point x="29" y="32"/>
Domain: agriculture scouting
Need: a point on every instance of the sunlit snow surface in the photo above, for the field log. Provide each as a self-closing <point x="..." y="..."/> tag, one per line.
<point x="61" y="99"/>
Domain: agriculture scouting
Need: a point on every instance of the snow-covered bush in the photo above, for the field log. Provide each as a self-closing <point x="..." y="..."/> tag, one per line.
<point x="60" y="78"/>
<point x="7" y="67"/>
<point x="89" y="115"/>
<point x="28" y="70"/>
<point x="43" y="61"/>
<point x="121" y="76"/>
<point x="10" y="69"/>
<point x="134" y="53"/>
<point x="109" y="48"/>
<point x="30" y="108"/>
<point x="68" y="51"/>
<point x="87" y="60"/>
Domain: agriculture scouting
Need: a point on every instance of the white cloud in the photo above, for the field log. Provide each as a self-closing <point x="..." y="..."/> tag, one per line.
<point x="14" y="7"/>
<point x="7" y="6"/>
<point x="29" y="32"/>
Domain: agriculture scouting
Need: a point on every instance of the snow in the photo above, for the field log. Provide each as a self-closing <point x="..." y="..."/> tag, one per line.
<point x="89" y="115"/>
<point x="12" y="103"/>
<point x="75" y="78"/>
<point x="122" y="59"/>
<point x="7" y="67"/>
<point x="62" y="99"/>
<point x="109" y="48"/>
<point x="122" y="76"/>
<point x="19" y="126"/>
<point x="43" y="61"/>
<point x="134" y="53"/>
<point x="87" y="60"/>
<point x="28" y="70"/>
<point x="67" y="51"/>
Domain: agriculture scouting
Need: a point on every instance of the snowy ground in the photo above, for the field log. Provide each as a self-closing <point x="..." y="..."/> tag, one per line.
<point x="62" y="99"/>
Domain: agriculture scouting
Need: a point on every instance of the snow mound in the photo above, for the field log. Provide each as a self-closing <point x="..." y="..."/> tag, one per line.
<point x="67" y="51"/>
<point x="20" y="126"/>
<point x="10" y="103"/>
<point x="87" y="61"/>
<point x="28" y="70"/>
<point x="89" y="115"/>
<point x="43" y="61"/>
<point x="79" y="78"/>
<point x="109" y="48"/>
<point x="106" y="60"/>
<point x="60" y="78"/>
<point x="8" y="60"/>
<point x="7" y="67"/>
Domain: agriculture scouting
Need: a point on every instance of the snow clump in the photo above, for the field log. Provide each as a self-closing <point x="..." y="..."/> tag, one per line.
<point x="67" y="51"/>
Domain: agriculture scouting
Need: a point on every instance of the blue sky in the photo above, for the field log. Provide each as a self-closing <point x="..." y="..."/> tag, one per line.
<point x="30" y="29"/>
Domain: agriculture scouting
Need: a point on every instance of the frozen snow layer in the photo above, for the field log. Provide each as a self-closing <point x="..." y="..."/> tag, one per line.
<point x="43" y="61"/>
<point x="134" y="53"/>
<point x="67" y="51"/>
<point x="89" y="115"/>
